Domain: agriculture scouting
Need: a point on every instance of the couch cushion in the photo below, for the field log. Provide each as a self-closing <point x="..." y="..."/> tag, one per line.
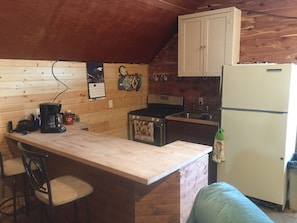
<point x="223" y="203"/>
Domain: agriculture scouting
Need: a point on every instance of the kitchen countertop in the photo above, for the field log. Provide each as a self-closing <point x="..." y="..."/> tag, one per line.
<point x="139" y="162"/>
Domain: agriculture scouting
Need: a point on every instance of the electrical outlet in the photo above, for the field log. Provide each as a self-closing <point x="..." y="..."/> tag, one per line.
<point x="200" y="101"/>
<point x="110" y="104"/>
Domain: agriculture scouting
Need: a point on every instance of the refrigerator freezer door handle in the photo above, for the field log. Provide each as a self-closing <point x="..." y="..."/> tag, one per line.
<point x="274" y="70"/>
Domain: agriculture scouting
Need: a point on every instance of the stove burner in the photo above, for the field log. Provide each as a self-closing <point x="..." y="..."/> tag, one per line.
<point x="156" y="112"/>
<point x="160" y="106"/>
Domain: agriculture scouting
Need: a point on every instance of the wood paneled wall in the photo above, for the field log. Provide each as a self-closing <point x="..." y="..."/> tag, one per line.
<point x="24" y="84"/>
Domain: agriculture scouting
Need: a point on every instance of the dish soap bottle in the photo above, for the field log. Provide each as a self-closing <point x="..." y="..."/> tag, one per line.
<point x="218" y="154"/>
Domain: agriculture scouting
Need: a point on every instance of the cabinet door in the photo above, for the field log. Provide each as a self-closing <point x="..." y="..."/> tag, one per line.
<point x="216" y="43"/>
<point x="207" y="41"/>
<point x="190" y="46"/>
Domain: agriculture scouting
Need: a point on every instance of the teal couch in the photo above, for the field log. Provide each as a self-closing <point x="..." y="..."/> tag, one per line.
<point x="222" y="203"/>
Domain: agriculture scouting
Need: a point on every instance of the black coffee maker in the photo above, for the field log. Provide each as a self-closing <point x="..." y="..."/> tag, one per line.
<point x="51" y="118"/>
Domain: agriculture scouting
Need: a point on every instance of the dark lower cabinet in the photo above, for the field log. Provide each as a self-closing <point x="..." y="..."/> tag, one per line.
<point x="196" y="133"/>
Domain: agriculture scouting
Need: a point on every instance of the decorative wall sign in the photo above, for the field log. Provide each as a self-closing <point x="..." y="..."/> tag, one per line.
<point x="95" y="77"/>
<point x="128" y="82"/>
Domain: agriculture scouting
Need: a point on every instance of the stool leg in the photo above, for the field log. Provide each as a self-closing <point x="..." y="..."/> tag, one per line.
<point x="75" y="211"/>
<point x="14" y="199"/>
<point x="26" y="194"/>
<point x="88" y="210"/>
<point x="52" y="215"/>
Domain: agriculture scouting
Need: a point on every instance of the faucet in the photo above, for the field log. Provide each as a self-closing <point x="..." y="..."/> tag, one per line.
<point x="203" y="108"/>
<point x="205" y="114"/>
<point x="193" y="109"/>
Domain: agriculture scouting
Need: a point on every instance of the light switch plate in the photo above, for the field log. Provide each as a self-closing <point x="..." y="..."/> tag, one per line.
<point x="200" y="101"/>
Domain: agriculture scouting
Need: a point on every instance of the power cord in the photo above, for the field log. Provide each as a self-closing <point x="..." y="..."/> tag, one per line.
<point x="269" y="14"/>
<point x="61" y="82"/>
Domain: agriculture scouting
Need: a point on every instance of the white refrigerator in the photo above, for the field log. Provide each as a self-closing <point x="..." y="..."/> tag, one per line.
<point x="259" y="116"/>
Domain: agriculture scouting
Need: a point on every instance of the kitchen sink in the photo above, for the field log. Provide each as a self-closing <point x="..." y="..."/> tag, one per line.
<point x="190" y="115"/>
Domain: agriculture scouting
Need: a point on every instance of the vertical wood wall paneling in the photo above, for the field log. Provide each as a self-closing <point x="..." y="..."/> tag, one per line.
<point x="24" y="84"/>
<point x="171" y="200"/>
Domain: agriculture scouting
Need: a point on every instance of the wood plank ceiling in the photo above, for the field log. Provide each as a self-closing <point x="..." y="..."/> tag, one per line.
<point x="128" y="31"/>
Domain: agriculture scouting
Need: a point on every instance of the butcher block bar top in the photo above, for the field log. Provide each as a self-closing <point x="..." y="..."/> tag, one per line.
<point x="133" y="182"/>
<point x="135" y="161"/>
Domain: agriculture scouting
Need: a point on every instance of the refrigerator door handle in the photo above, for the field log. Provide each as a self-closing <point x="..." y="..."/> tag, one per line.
<point x="274" y="70"/>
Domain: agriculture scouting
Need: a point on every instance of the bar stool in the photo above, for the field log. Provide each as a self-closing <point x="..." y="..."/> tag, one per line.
<point x="12" y="168"/>
<point x="53" y="192"/>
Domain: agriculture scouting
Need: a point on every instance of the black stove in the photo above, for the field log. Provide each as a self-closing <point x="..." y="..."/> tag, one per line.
<point x="148" y="125"/>
<point x="157" y="112"/>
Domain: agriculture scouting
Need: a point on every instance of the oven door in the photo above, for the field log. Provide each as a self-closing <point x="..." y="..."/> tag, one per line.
<point x="147" y="131"/>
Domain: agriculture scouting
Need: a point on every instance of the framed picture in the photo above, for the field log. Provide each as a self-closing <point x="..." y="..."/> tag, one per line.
<point x="95" y="78"/>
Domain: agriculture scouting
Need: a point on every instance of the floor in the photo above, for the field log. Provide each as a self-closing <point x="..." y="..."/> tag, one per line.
<point x="22" y="218"/>
<point x="287" y="216"/>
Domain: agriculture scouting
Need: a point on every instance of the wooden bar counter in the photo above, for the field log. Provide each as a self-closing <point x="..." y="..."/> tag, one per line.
<point x="133" y="182"/>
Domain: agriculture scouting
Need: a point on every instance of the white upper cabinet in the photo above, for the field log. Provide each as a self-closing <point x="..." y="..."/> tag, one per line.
<point x="207" y="41"/>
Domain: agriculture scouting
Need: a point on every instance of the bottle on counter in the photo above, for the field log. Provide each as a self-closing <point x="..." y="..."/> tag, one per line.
<point x="10" y="127"/>
<point x="218" y="154"/>
<point x="37" y="119"/>
<point x="68" y="118"/>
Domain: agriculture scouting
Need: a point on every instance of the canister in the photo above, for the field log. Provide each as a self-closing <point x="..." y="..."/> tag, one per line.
<point x="68" y="118"/>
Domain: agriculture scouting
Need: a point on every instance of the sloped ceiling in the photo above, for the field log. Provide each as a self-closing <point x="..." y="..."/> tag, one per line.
<point x="128" y="31"/>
